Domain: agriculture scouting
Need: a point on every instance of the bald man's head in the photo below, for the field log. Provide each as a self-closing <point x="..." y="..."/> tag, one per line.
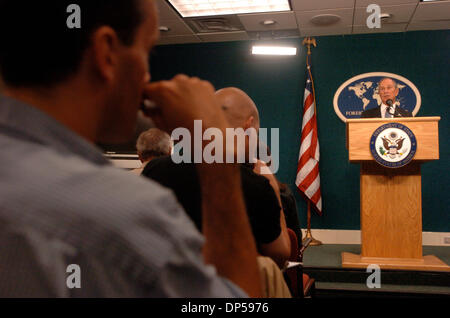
<point x="239" y="108"/>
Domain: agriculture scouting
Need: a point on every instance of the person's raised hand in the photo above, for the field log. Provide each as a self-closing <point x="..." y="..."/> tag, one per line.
<point x="182" y="100"/>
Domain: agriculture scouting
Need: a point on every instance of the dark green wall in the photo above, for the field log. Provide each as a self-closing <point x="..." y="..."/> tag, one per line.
<point x="277" y="84"/>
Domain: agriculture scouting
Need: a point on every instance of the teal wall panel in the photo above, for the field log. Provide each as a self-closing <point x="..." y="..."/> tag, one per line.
<point x="276" y="84"/>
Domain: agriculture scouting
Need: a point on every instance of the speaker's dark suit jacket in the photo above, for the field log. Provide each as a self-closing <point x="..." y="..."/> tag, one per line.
<point x="376" y="113"/>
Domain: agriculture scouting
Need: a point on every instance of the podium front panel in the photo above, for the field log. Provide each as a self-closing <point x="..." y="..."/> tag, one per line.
<point x="359" y="132"/>
<point x="391" y="216"/>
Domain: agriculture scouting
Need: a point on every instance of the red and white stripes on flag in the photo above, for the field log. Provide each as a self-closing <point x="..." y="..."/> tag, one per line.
<point x="308" y="177"/>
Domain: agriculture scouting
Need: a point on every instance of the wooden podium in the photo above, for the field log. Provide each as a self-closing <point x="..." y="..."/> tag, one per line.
<point x="391" y="198"/>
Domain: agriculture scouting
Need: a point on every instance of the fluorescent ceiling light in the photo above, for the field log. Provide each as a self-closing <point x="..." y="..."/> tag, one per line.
<point x="198" y="8"/>
<point x="274" y="50"/>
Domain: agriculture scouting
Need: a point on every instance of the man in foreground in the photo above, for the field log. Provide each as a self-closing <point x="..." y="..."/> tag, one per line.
<point x="62" y="202"/>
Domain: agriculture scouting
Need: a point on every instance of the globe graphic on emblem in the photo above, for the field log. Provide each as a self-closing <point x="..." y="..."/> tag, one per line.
<point x="393" y="135"/>
<point x="361" y="93"/>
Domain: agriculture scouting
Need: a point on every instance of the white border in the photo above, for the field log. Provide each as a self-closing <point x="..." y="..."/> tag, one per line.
<point x="354" y="237"/>
<point x="355" y="78"/>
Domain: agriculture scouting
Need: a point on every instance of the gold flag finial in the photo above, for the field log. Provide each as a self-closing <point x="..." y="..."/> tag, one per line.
<point x="308" y="42"/>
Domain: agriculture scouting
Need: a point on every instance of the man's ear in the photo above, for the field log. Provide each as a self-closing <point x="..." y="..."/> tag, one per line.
<point x="105" y="48"/>
<point x="249" y="122"/>
<point x="396" y="92"/>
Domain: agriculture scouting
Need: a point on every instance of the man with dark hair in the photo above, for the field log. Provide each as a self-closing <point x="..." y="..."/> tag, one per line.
<point x="46" y="50"/>
<point x="62" y="203"/>
<point x="389" y="108"/>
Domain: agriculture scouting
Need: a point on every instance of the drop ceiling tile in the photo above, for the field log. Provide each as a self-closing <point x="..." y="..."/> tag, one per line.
<point x="176" y="27"/>
<point x="178" y="39"/>
<point x="308" y="5"/>
<point x="365" y="3"/>
<point x="400" y="14"/>
<point x="326" y="31"/>
<point x="385" y="28"/>
<point x="203" y="8"/>
<point x="429" y="25"/>
<point x="432" y="11"/>
<point x="223" y="36"/>
<point x="304" y="17"/>
<point x="166" y="12"/>
<point x="284" y="21"/>
<point x="273" y="34"/>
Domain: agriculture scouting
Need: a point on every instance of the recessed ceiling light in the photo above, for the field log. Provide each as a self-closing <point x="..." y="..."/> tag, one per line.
<point x="164" y="28"/>
<point x="385" y="16"/>
<point x="274" y="50"/>
<point x="268" y="22"/>
<point x="199" y="8"/>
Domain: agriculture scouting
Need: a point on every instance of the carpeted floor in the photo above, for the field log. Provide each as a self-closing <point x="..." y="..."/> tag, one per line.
<point x="323" y="263"/>
<point x="329" y="255"/>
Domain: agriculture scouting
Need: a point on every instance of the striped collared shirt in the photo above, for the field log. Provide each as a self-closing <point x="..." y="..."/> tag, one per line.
<point x="69" y="205"/>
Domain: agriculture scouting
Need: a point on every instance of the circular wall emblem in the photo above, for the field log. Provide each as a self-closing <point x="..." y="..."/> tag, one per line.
<point x="393" y="145"/>
<point x="360" y="93"/>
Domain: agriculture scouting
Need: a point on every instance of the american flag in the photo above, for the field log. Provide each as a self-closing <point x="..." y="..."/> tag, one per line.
<point x="308" y="178"/>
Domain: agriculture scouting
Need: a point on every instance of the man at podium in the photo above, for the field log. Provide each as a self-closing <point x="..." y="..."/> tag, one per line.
<point x="389" y="108"/>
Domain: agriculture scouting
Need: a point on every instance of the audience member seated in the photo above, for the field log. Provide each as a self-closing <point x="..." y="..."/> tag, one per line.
<point x="151" y="144"/>
<point x="290" y="210"/>
<point x="263" y="207"/>
<point x="63" y="203"/>
<point x="272" y="279"/>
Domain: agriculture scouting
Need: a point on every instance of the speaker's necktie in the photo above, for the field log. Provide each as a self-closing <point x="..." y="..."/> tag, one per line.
<point x="388" y="114"/>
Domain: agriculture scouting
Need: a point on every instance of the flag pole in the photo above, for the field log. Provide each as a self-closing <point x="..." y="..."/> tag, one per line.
<point x="308" y="42"/>
<point x="308" y="235"/>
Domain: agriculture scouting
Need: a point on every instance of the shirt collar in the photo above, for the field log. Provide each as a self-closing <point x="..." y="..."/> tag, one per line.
<point x="29" y="123"/>
<point x="384" y="106"/>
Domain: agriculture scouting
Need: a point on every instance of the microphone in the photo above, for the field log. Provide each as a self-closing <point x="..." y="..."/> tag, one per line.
<point x="391" y="110"/>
